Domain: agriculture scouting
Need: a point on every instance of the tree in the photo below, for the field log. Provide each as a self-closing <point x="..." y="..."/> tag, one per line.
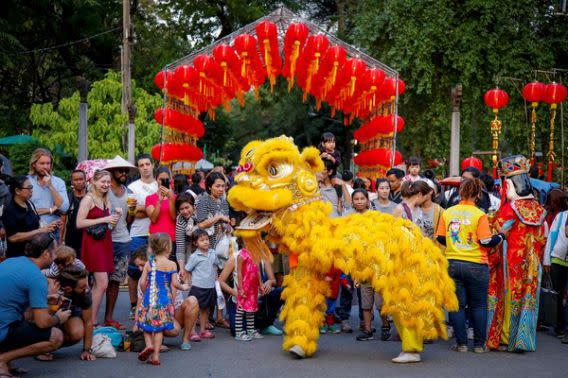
<point x="438" y="44"/>
<point x="58" y="126"/>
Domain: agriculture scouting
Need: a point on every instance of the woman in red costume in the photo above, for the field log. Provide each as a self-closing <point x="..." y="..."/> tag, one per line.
<point x="515" y="269"/>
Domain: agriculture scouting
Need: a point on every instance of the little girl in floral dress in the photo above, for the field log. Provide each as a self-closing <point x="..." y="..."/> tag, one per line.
<point x="156" y="314"/>
<point x="247" y="283"/>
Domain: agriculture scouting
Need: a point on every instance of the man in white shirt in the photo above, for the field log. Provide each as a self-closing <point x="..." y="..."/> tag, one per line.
<point x="141" y="188"/>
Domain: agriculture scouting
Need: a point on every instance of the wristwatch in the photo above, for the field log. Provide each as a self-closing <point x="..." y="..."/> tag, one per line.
<point x="90" y="350"/>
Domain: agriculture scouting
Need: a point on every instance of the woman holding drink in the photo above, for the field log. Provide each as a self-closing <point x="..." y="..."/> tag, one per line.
<point x="95" y="218"/>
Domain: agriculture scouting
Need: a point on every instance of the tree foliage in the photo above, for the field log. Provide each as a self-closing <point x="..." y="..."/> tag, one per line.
<point x="436" y="45"/>
<point x="57" y="126"/>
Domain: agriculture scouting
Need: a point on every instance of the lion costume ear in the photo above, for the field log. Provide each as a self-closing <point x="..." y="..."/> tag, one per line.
<point x="311" y="157"/>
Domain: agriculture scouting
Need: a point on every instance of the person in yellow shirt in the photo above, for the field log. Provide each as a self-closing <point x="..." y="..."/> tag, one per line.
<point x="464" y="230"/>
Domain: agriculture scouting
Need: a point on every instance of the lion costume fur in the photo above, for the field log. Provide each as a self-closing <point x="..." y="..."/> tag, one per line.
<point x="278" y="185"/>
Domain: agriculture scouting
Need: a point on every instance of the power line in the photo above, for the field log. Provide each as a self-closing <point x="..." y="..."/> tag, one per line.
<point x="66" y="44"/>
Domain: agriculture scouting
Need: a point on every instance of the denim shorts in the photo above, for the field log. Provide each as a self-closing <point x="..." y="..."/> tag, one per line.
<point x="121" y="257"/>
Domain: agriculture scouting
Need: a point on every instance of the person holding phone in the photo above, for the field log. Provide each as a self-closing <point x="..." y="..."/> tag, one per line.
<point x="161" y="207"/>
<point x="49" y="192"/>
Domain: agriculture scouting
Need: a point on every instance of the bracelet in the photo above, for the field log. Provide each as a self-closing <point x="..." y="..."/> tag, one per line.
<point x="90" y="350"/>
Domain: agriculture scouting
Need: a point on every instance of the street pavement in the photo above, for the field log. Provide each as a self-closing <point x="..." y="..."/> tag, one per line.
<point x="337" y="356"/>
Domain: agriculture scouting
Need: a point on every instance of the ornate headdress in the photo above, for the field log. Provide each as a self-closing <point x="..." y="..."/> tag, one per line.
<point x="513" y="165"/>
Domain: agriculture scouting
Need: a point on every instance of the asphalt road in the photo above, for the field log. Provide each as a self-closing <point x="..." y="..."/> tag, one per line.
<point x="338" y="356"/>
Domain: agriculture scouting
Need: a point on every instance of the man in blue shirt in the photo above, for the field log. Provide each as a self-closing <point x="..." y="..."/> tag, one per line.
<point x="23" y="287"/>
<point x="49" y="193"/>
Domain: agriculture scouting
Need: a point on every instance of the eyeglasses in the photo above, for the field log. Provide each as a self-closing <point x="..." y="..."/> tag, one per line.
<point x="27" y="187"/>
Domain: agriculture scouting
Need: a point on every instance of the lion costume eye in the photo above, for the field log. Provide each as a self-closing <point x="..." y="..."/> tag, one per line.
<point x="277" y="171"/>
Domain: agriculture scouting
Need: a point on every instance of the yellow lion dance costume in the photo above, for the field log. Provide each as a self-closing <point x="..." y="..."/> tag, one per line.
<point x="277" y="187"/>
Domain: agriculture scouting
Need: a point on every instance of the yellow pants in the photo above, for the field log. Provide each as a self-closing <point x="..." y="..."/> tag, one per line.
<point x="411" y="342"/>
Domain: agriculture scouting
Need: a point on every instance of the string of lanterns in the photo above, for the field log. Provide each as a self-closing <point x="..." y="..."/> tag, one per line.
<point x="307" y="60"/>
<point x="534" y="92"/>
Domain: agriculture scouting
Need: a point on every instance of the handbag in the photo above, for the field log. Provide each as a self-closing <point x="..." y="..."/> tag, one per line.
<point x="102" y="346"/>
<point x="548" y="302"/>
<point x="222" y="247"/>
<point x="97" y="231"/>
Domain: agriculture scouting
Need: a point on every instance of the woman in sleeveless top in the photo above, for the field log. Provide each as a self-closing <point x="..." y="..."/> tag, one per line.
<point x="97" y="254"/>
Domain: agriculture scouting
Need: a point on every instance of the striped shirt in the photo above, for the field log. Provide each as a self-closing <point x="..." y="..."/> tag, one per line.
<point x="184" y="229"/>
<point x="206" y="208"/>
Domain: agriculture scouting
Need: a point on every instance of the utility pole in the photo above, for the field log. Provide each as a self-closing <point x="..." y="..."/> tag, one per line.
<point x="455" y="131"/>
<point x="83" y="135"/>
<point x="127" y="106"/>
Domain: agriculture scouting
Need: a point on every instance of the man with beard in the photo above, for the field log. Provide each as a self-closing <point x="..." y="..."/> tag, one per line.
<point x="118" y="196"/>
<point x="49" y="192"/>
<point x="69" y="233"/>
<point x="79" y="326"/>
<point x="25" y="287"/>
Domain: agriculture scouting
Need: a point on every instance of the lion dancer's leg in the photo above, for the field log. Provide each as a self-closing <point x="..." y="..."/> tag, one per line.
<point x="303" y="312"/>
<point x="412" y="344"/>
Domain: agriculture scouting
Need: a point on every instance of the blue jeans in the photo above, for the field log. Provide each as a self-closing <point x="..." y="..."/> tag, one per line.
<point x="472" y="281"/>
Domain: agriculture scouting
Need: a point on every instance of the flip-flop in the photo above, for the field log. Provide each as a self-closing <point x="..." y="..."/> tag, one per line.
<point x="115" y="324"/>
<point x="153" y="362"/>
<point x="143" y="356"/>
<point x="45" y="357"/>
<point x="222" y="324"/>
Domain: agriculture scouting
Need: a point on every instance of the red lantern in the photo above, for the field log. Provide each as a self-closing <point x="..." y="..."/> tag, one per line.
<point x="390" y="89"/>
<point x="316" y="46"/>
<point x="378" y="157"/>
<point x="294" y="40"/>
<point x="496" y="98"/>
<point x="162" y="78"/>
<point x="554" y="93"/>
<point x="533" y="92"/>
<point x="174" y="152"/>
<point x="267" y="33"/>
<point x="472" y="162"/>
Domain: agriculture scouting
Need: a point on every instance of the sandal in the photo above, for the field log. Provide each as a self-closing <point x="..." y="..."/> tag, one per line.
<point x="45" y="357"/>
<point x="143" y="356"/>
<point x="207" y="335"/>
<point x="222" y="323"/>
<point x="153" y="362"/>
<point x="209" y="327"/>
<point x="195" y="337"/>
<point x="115" y="324"/>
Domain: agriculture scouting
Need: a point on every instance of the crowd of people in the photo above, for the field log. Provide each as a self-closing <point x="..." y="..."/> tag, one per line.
<point x="169" y="238"/>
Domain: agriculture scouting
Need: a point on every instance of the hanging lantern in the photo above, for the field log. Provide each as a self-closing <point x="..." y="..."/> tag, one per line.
<point x="267" y="33"/>
<point x="378" y="157"/>
<point x="327" y="75"/>
<point x="316" y="46"/>
<point x="183" y="123"/>
<point x="472" y="162"/>
<point x="230" y="64"/>
<point x="554" y="94"/>
<point x="174" y="152"/>
<point x="374" y="78"/>
<point x="495" y="99"/>
<point x="294" y="40"/>
<point x="162" y="78"/>
<point x="390" y="88"/>
<point x="533" y="93"/>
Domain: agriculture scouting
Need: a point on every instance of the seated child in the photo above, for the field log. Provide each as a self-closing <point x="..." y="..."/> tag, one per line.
<point x="328" y="151"/>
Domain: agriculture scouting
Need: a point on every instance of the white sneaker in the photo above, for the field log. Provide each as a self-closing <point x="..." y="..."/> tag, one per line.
<point x="297" y="351"/>
<point x="405" y="358"/>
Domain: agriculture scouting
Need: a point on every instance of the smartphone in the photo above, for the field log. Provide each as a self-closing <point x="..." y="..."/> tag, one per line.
<point x="65" y="304"/>
<point x="166" y="183"/>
